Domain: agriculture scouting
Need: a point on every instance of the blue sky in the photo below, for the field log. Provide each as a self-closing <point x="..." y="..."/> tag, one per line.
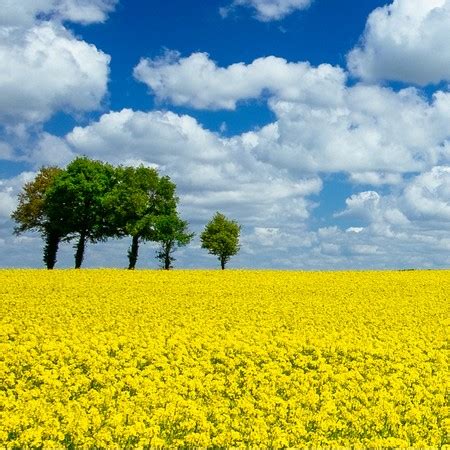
<point x="322" y="126"/>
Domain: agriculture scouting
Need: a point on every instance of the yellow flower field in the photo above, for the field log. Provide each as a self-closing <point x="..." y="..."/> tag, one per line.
<point x="123" y="359"/>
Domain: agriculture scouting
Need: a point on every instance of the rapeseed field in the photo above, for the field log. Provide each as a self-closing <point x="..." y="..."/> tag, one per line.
<point x="133" y="359"/>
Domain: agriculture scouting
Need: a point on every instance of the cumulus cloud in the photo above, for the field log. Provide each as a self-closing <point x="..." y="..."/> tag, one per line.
<point x="376" y="178"/>
<point x="322" y="124"/>
<point x="9" y="189"/>
<point x="427" y="197"/>
<point x="373" y="133"/>
<point x="268" y="10"/>
<point x="7" y="204"/>
<point x="365" y="204"/>
<point x="407" y="41"/>
<point x="46" y="69"/>
<point x="48" y="150"/>
<point x="162" y="137"/>
<point x="377" y="211"/>
<point x="408" y="228"/>
<point x="376" y="248"/>
<point x="388" y="240"/>
<point x="198" y="82"/>
<point x="211" y="172"/>
<point x="423" y="201"/>
<point x="26" y="12"/>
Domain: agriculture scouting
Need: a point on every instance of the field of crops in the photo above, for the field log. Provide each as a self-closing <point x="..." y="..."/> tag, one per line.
<point x="119" y="359"/>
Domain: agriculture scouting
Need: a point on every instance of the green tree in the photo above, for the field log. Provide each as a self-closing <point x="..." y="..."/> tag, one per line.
<point x="221" y="238"/>
<point x="132" y="204"/>
<point x="171" y="232"/>
<point x="31" y="215"/>
<point x="76" y="203"/>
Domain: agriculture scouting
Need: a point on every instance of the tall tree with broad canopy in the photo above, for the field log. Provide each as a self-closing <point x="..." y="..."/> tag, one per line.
<point x="75" y="202"/>
<point x="171" y="232"/>
<point x="132" y="203"/>
<point x="31" y="214"/>
<point x="221" y="238"/>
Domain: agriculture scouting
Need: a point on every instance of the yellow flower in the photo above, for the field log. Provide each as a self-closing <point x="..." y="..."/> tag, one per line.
<point x="134" y="359"/>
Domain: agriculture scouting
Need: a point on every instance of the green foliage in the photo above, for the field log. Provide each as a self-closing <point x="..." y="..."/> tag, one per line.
<point x="75" y="202"/>
<point x="31" y="213"/>
<point x="221" y="238"/>
<point x="91" y="201"/>
<point x="138" y="199"/>
<point x="171" y="232"/>
<point x="131" y="201"/>
<point x="131" y="206"/>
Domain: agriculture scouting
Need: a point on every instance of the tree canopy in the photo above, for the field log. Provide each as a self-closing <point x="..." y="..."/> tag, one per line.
<point x="171" y="232"/>
<point x="75" y="202"/>
<point x="221" y="238"/>
<point x="132" y="206"/>
<point x="31" y="213"/>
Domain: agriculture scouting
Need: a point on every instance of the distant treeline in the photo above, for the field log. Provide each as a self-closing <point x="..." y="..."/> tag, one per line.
<point x="91" y="201"/>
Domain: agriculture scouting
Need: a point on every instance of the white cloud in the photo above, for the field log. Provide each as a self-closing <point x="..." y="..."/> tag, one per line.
<point x="269" y="10"/>
<point x="376" y="178"/>
<point x="372" y="247"/>
<point x="160" y="137"/>
<point x="374" y="133"/>
<point x="6" y="151"/>
<point x="7" y="204"/>
<point x="46" y="69"/>
<point x="9" y="189"/>
<point x="428" y="195"/>
<point x="198" y="82"/>
<point x="365" y="204"/>
<point x="267" y="236"/>
<point x="423" y="202"/>
<point x="408" y="228"/>
<point x="381" y="213"/>
<point x="322" y="125"/>
<point x="27" y="12"/>
<point x="211" y="172"/>
<point x="364" y="249"/>
<point x="354" y="230"/>
<point x="406" y="40"/>
<point x="49" y="150"/>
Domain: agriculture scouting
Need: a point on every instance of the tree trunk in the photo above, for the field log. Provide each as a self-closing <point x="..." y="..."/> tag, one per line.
<point x="166" y="263"/>
<point x="133" y="253"/>
<point x="50" y="249"/>
<point x="79" y="255"/>
<point x="222" y="263"/>
<point x="167" y="258"/>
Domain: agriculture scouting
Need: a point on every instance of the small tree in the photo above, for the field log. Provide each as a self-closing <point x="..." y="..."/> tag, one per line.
<point x="31" y="214"/>
<point x="170" y="232"/>
<point x="221" y="238"/>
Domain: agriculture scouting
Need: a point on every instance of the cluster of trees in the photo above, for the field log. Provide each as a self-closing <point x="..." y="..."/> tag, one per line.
<point x="91" y="201"/>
